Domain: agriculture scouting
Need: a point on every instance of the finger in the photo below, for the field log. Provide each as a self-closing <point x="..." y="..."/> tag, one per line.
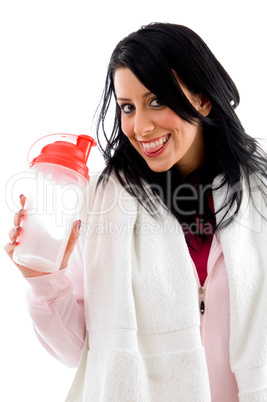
<point x="74" y="235"/>
<point x="22" y="200"/>
<point x="18" y="216"/>
<point x="14" y="233"/>
<point x="9" y="248"/>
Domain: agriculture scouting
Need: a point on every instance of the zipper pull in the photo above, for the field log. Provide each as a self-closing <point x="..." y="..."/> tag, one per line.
<point x="202" y="303"/>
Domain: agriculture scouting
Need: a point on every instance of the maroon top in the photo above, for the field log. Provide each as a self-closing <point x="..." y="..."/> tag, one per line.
<point x="200" y="254"/>
<point x="198" y="249"/>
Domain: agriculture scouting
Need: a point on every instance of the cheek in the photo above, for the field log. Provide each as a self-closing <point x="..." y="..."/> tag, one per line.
<point x="168" y="118"/>
<point x="127" y="127"/>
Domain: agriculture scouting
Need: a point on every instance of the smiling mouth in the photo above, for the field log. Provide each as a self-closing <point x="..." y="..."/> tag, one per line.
<point x="152" y="147"/>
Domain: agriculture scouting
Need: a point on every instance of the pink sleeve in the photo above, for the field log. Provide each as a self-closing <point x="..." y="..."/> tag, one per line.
<point x="55" y="303"/>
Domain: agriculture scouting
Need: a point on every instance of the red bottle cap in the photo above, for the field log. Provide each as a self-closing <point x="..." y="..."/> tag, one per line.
<point x="73" y="155"/>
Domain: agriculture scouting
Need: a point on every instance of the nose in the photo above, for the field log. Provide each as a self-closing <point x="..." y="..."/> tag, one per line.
<point x="144" y="123"/>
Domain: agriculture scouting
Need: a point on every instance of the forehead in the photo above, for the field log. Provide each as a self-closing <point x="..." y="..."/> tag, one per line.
<point x="126" y="84"/>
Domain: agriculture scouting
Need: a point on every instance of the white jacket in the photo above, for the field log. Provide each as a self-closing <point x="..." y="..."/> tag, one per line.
<point x="142" y="310"/>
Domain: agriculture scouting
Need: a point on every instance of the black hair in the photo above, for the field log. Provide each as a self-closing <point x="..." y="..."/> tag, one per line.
<point x="157" y="54"/>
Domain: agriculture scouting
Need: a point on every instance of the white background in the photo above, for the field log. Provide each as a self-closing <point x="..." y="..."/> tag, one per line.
<point x="54" y="56"/>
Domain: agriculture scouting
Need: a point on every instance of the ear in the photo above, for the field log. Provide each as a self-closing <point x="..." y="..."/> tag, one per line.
<point x="204" y="105"/>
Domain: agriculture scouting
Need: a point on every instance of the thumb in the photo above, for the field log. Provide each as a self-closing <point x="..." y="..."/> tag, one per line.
<point x="74" y="236"/>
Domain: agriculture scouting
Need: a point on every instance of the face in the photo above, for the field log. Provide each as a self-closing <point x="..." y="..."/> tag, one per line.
<point x="158" y="134"/>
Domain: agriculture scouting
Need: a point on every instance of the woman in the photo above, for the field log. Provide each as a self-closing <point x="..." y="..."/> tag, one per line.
<point x="172" y="240"/>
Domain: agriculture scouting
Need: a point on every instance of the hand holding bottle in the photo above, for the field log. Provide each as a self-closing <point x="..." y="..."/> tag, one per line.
<point x="15" y="231"/>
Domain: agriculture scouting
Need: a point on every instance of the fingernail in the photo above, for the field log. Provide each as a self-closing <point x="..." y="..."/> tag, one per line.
<point x="79" y="227"/>
<point x="12" y="243"/>
<point x="21" y="195"/>
<point x="16" y="228"/>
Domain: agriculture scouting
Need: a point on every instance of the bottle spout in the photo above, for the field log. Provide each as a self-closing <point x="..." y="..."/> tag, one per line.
<point x="85" y="143"/>
<point x="68" y="150"/>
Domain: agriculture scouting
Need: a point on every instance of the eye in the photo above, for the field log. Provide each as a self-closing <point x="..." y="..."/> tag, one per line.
<point x="155" y="102"/>
<point x="127" y="108"/>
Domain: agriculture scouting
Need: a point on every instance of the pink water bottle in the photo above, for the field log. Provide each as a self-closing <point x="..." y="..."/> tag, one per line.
<point x="56" y="196"/>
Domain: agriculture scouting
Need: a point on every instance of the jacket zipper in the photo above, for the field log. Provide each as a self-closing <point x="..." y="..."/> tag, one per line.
<point x="202" y="289"/>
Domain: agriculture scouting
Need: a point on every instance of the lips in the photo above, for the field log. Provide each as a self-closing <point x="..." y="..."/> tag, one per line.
<point x="154" y="147"/>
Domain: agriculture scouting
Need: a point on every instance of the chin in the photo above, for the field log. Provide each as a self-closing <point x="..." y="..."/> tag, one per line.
<point x="159" y="168"/>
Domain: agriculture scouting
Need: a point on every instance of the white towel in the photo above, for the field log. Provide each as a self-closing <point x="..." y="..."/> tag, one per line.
<point x="141" y="295"/>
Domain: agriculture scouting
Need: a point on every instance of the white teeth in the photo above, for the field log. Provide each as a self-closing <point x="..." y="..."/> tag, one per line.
<point x="161" y="141"/>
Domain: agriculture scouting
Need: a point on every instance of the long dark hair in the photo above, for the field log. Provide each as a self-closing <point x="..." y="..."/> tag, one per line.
<point x="155" y="53"/>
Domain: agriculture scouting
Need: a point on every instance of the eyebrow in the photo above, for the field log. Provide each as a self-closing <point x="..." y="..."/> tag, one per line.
<point x="128" y="99"/>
